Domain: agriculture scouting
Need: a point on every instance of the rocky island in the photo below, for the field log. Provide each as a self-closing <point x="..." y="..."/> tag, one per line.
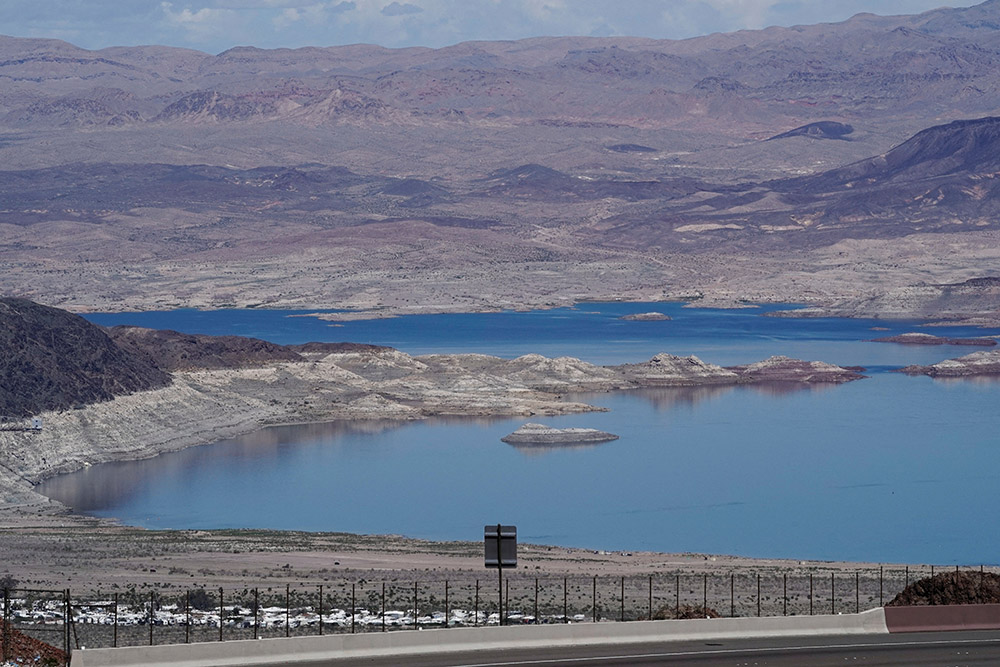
<point x="929" y="339"/>
<point x="539" y="434"/>
<point x="982" y="363"/>
<point x="645" y="317"/>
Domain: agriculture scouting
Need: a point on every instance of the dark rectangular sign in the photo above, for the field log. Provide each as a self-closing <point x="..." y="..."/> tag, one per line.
<point x="501" y="546"/>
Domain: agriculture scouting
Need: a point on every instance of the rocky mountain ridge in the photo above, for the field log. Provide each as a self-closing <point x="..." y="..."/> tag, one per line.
<point x="508" y="174"/>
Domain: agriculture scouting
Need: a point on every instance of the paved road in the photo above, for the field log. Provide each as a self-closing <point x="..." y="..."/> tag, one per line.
<point x="953" y="649"/>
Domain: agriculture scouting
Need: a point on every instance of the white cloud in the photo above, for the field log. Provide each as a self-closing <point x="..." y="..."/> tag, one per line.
<point x="401" y="9"/>
<point x="200" y="22"/>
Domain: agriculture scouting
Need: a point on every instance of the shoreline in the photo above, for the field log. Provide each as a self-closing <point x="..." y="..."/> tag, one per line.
<point x="56" y="548"/>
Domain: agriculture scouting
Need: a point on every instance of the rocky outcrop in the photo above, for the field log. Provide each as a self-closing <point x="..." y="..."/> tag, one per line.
<point x="667" y="370"/>
<point x="986" y="362"/>
<point x="951" y="588"/>
<point x="54" y="360"/>
<point x="645" y="317"/>
<point x="929" y="339"/>
<point x="539" y="434"/>
<point x="785" y="369"/>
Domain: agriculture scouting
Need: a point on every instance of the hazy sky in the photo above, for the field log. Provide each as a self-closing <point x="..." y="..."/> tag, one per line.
<point x="216" y="25"/>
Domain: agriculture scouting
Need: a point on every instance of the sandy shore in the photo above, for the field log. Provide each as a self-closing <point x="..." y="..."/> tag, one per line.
<point x="52" y="548"/>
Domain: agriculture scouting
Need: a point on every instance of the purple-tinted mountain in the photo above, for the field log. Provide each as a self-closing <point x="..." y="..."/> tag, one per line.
<point x="471" y="175"/>
<point x="54" y="360"/>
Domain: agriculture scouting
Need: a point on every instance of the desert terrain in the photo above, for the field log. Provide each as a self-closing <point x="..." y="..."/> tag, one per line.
<point x="850" y="167"/>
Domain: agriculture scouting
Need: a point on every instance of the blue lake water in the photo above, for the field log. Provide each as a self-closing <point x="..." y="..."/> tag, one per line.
<point x="890" y="468"/>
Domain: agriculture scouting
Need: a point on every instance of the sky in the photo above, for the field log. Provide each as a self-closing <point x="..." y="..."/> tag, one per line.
<point x="216" y="25"/>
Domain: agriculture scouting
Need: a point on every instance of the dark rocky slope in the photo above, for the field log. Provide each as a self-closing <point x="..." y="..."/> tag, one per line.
<point x="55" y="360"/>
<point x="175" y="351"/>
<point x="951" y="588"/>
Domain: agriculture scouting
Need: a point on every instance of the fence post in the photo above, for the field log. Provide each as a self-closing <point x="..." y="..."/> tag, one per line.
<point x="66" y="622"/>
<point x="565" y="598"/>
<point x="416" y="626"/>
<point x="594" y="608"/>
<point x="704" y="593"/>
<point x="732" y="595"/>
<point x="187" y="615"/>
<point x="354" y="604"/>
<point x="222" y="613"/>
<point x="447" y="610"/>
<point x="536" y="601"/>
<point x="758" y="595"/>
<point x="321" y="609"/>
<point x="881" y="598"/>
<point x="6" y="624"/>
<point x="150" y="618"/>
<point x="383" y="606"/>
<point x="677" y="595"/>
<point x="565" y="607"/>
<point x="833" y="594"/>
<point x="114" y="641"/>
<point x="288" y="610"/>
<point x="650" y="617"/>
<point x="621" y="616"/>
<point x="256" y="614"/>
<point x="810" y="594"/>
<point x="784" y="594"/>
<point x="857" y="592"/>
<point x="475" y="622"/>
<point x="907" y="579"/>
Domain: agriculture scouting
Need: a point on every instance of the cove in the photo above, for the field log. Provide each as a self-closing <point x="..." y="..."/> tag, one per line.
<point x="887" y="469"/>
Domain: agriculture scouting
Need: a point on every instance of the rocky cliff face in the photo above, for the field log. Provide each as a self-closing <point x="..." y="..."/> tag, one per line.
<point x="54" y="360"/>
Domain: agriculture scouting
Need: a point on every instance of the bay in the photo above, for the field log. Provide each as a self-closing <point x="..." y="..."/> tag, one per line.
<point x="888" y="469"/>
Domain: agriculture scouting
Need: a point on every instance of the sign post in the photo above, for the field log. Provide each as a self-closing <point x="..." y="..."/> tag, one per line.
<point x="501" y="551"/>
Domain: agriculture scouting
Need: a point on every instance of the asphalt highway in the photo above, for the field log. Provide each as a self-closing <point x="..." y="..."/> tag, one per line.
<point x="951" y="649"/>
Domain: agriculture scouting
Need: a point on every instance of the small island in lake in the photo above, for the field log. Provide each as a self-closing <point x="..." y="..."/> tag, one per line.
<point x="928" y="339"/>
<point x="645" y="317"/>
<point x="539" y="434"/>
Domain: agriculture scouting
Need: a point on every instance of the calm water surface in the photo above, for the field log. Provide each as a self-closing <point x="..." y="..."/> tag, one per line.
<point x="891" y="468"/>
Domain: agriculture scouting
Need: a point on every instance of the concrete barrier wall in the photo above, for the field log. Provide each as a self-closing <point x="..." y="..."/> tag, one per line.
<point x="942" y="618"/>
<point x="307" y="649"/>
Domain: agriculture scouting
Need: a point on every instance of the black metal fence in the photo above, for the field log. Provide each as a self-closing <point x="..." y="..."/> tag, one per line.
<point x="149" y="615"/>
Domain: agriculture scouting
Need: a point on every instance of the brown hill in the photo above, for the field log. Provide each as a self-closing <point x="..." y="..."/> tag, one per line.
<point x="56" y="360"/>
<point x="174" y="351"/>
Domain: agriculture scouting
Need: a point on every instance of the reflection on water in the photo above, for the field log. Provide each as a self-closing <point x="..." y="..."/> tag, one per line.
<point x="114" y="484"/>
<point x="540" y="449"/>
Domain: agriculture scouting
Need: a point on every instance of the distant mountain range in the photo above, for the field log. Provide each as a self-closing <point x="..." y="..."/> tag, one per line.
<point x="151" y="164"/>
